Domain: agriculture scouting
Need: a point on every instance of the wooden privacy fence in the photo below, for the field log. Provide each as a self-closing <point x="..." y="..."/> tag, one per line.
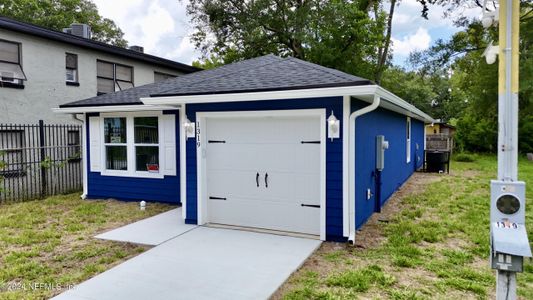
<point x="39" y="160"/>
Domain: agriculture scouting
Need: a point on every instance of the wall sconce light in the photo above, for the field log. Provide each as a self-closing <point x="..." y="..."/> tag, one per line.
<point x="190" y="128"/>
<point x="333" y="127"/>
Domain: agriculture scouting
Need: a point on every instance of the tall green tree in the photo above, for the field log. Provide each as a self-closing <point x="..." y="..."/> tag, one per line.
<point x="58" y="14"/>
<point x="347" y="35"/>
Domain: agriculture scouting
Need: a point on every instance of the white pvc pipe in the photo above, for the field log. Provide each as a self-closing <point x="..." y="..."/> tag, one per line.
<point x="351" y="162"/>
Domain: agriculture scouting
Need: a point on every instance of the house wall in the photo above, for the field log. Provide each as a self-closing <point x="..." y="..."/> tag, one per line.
<point x="43" y="62"/>
<point x="333" y="154"/>
<point x="393" y="126"/>
<point x="165" y="189"/>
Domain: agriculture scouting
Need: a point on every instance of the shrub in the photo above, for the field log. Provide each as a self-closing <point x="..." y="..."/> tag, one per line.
<point x="464" y="157"/>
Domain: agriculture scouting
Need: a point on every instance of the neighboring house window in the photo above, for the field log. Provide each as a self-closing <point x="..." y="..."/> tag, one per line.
<point x="408" y="138"/>
<point x="74" y="149"/>
<point x="71" y="72"/>
<point x="115" y="143"/>
<point x="11" y="73"/>
<point x="146" y="143"/>
<point x="158" y="76"/>
<point x="112" y="77"/>
<point x="11" y="152"/>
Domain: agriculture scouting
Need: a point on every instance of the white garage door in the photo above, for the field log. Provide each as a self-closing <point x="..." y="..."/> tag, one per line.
<point x="264" y="172"/>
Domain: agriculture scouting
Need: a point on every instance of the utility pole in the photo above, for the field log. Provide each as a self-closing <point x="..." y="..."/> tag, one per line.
<point x="509" y="241"/>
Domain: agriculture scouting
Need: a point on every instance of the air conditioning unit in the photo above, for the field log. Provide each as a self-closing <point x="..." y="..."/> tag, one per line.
<point x="9" y="77"/>
<point x="137" y="48"/>
<point x="67" y="30"/>
<point x="81" y="30"/>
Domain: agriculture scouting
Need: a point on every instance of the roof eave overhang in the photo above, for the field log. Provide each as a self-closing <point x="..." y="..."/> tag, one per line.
<point x="363" y="92"/>
<point x="112" y="108"/>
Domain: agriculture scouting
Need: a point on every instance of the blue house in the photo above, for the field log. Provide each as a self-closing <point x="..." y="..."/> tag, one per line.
<point x="272" y="143"/>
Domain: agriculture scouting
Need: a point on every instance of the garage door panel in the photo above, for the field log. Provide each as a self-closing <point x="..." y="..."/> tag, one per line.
<point x="268" y="215"/>
<point x="264" y="145"/>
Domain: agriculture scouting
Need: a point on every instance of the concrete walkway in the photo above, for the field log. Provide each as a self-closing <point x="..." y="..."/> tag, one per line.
<point x="203" y="263"/>
<point x="150" y="231"/>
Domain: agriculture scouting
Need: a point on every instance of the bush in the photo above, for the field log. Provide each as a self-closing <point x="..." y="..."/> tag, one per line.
<point x="464" y="157"/>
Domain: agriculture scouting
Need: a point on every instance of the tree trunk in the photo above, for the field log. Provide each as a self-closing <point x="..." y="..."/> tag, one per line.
<point x="383" y="55"/>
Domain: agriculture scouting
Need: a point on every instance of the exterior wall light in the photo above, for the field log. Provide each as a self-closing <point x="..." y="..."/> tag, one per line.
<point x="489" y="18"/>
<point x="190" y="128"/>
<point x="333" y="127"/>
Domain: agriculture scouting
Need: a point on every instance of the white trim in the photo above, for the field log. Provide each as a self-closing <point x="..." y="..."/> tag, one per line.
<point x="203" y="217"/>
<point x="112" y="108"/>
<point x="363" y="92"/>
<point x="85" y="157"/>
<point x="345" y="165"/>
<point x="183" y="162"/>
<point x="130" y="146"/>
<point x="408" y="139"/>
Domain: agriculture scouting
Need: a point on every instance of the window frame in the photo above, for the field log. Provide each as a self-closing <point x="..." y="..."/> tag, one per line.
<point x="76" y="72"/>
<point x="408" y="139"/>
<point x="114" y="79"/>
<point x="15" y="83"/>
<point x="131" y="145"/>
<point x="169" y="76"/>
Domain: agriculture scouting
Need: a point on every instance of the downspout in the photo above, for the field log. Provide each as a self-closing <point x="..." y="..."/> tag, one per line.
<point x="84" y="150"/>
<point x="351" y="163"/>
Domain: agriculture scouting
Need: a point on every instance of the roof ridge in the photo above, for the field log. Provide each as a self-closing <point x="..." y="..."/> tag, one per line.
<point x="223" y="74"/>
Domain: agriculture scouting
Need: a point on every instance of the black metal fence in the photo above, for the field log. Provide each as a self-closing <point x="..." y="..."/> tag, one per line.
<point x="39" y="160"/>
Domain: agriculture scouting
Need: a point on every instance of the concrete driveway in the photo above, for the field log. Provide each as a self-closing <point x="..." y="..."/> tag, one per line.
<point x="203" y="263"/>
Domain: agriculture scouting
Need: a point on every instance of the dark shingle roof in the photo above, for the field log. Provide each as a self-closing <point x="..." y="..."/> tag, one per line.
<point x="46" y="33"/>
<point x="265" y="73"/>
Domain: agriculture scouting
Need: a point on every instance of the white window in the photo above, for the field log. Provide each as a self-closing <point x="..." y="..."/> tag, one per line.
<point x="71" y="70"/>
<point x="408" y="138"/>
<point x="134" y="144"/>
<point x="10" y="63"/>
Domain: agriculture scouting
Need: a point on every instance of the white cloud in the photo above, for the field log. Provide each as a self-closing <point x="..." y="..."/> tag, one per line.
<point x="160" y="26"/>
<point x="420" y="40"/>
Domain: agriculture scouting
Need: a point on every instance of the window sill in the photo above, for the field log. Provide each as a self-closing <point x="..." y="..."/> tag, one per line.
<point x="71" y="83"/>
<point x="133" y="174"/>
<point x="11" y="85"/>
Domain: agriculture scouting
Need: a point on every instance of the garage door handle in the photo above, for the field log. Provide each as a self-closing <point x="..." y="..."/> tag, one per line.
<point x="257" y="179"/>
<point x="266" y="180"/>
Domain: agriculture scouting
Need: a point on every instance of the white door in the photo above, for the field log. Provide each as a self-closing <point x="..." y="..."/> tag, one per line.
<point x="264" y="172"/>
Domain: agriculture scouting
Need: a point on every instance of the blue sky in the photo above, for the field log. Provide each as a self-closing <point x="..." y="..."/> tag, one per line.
<point x="162" y="27"/>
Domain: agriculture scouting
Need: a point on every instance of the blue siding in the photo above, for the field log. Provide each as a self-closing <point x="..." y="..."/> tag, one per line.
<point x="131" y="188"/>
<point x="393" y="126"/>
<point x="333" y="154"/>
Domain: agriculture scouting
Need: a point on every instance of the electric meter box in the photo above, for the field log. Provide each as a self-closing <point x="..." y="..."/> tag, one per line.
<point x="381" y="146"/>
<point x="508" y="201"/>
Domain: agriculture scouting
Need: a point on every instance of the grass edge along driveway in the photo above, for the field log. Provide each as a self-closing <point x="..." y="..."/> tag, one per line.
<point x="430" y="242"/>
<point x="48" y="245"/>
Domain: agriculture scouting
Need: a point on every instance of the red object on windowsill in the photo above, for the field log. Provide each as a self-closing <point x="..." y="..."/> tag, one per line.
<point x="152" y="168"/>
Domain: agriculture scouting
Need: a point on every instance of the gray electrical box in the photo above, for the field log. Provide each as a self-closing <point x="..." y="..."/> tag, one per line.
<point x="508" y="236"/>
<point x="381" y="146"/>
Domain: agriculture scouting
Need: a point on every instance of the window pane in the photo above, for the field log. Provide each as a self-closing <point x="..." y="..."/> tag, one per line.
<point x="71" y="61"/>
<point x="146" y="130"/>
<point x="71" y="75"/>
<point x="123" y="85"/>
<point x="9" y="52"/>
<point x="147" y="158"/>
<point x="116" y="158"/>
<point x="115" y="130"/>
<point x="124" y="73"/>
<point x="104" y="69"/>
<point x="105" y="85"/>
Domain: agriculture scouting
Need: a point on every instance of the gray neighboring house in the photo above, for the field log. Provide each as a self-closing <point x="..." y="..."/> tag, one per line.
<point x="42" y="68"/>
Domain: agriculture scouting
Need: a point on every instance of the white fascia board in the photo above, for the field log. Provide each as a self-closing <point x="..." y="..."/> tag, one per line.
<point x="399" y="105"/>
<point x="112" y="108"/>
<point x="258" y="96"/>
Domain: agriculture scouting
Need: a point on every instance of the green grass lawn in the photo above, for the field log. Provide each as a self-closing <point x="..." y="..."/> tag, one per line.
<point x="47" y="245"/>
<point x="431" y="241"/>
